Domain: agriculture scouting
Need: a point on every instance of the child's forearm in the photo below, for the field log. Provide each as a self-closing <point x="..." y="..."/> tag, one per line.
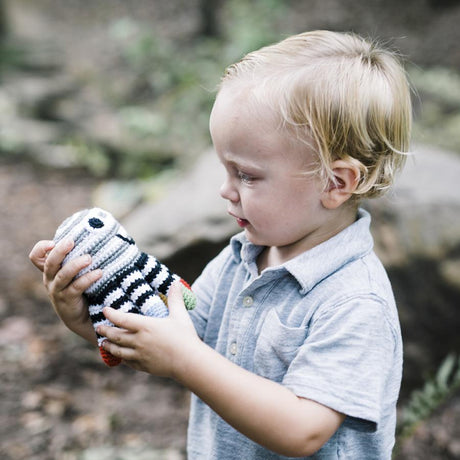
<point x="264" y="411"/>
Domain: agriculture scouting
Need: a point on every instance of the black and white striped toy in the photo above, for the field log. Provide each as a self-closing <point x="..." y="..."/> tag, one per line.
<point x="132" y="281"/>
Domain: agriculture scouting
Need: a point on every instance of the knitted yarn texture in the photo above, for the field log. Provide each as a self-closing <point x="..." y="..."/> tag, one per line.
<point x="132" y="281"/>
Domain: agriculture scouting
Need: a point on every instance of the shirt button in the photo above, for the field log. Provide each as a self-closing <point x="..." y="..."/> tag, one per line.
<point x="233" y="348"/>
<point x="248" y="301"/>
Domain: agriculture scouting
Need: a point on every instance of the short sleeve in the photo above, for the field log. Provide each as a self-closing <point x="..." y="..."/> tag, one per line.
<point x="346" y="359"/>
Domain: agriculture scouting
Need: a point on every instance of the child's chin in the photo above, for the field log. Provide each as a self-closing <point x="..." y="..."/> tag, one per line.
<point x="254" y="238"/>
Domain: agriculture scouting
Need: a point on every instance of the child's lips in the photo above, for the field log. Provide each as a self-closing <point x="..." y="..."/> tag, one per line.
<point x="242" y="222"/>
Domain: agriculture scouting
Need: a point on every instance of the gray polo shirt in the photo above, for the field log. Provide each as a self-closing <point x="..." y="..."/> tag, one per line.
<point x="323" y="324"/>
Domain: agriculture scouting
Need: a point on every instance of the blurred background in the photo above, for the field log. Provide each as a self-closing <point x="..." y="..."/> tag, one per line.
<point x="106" y="103"/>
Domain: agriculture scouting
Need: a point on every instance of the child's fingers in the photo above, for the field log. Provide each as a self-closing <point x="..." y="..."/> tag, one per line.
<point x="66" y="274"/>
<point x="128" y="321"/>
<point x="55" y="258"/>
<point x="81" y="284"/>
<point x="119" y="351"/>
<point x="120" y="337"/>
<point x="39" y="253"/>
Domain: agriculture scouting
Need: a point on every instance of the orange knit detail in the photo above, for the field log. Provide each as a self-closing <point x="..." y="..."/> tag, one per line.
<point x="108" y="358"/>
<point x="185" y="284"/>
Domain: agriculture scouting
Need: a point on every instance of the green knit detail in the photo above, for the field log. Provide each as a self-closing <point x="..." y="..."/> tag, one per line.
<point x="189" y="298"/>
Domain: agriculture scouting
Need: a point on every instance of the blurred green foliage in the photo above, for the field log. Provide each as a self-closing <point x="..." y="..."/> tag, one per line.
<point x="437" y="114"/>
<point x="173" y="84"/>
<point x="161" y="90"/>
<point x="424" y="401"/>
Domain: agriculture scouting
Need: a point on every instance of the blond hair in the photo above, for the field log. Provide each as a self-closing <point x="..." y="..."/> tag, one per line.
<point x="347" y="95"/>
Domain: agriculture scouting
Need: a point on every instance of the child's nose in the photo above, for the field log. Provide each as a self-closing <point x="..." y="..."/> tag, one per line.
<point x="229" y="192"/>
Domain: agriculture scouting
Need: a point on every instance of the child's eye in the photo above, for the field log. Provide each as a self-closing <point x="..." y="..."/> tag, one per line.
<point x="245" y="178"/>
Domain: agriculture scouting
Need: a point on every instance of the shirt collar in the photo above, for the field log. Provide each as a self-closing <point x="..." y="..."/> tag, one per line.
<point x="312" y="266"/>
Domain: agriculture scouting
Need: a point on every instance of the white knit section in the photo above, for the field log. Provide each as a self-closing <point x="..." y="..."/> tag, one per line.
<point x="113" y="296"/>
<point x="95" y="309"/>
<point x="111" y="245"/>
<point x="155" y="307"/>
<point x="68" y="223"/>
<point x="130" y="279"/>
<point x="104" y="322"/>
<point x="127" y="307"/>
<point x="119" y="262"/>
<point x="142" y="289"/>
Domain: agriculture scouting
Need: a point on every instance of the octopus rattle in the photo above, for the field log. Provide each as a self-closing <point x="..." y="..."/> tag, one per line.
<point x="132" y="281"/>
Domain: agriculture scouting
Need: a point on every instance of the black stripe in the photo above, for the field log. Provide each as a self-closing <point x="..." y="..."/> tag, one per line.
<point x="119" y="302"/>
<point x="97" y="317"/>
<point x="150" y="276"/>
<point x="111" y="285"/>
<point x="142" y="298"/>
<point x="141" y="261"/>
<point x="166" y="283"/>
<point x="133" y="286"/>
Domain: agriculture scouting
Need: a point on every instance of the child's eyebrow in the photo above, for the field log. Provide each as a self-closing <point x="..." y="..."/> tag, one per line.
<point x="241" y="163"/>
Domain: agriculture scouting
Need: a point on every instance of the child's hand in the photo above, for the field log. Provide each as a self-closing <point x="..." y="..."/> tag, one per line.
<point x="159" y="346"/>
<point x="65" y="293"/>
<point x="40" y="252"/>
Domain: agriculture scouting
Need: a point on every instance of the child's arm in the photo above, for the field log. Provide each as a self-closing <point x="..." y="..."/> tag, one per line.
<point x="65" y="293"/>
<point x="263" y="410"/>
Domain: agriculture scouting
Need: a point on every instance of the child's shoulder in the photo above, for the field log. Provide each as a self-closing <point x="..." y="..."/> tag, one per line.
<point x="361" y="277"/>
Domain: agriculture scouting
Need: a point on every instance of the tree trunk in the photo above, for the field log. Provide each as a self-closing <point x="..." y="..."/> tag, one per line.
<point x="209" y="13"/>
<point x="3" y="21"/>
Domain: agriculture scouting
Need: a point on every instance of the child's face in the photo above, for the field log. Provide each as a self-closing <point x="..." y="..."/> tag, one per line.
<point x="266" y="187"/>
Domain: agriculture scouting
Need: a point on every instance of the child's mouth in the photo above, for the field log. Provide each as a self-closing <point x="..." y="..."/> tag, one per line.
<point x="242" y="222"/>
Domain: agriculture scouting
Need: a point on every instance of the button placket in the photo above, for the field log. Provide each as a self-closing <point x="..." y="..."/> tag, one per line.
<point x="248" y="301"/>
<point x="233" y="348"/>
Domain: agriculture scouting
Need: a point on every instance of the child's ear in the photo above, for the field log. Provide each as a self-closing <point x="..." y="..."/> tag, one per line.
<point x="346" y="178"/>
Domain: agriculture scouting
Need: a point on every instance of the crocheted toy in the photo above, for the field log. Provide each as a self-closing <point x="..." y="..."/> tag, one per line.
<point x="132" y="281"/>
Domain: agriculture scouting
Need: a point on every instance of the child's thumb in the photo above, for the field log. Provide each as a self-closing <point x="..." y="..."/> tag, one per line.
<point x="176" y="303"/>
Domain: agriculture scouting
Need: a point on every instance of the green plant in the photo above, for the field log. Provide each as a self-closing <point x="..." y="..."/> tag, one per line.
<point x="423" y="402"/>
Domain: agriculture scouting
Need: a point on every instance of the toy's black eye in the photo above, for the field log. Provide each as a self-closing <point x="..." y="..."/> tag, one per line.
<point x="95" y="222"/>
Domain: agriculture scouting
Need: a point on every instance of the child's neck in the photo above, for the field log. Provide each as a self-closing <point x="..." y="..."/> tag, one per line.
<point x="274" y="256"/>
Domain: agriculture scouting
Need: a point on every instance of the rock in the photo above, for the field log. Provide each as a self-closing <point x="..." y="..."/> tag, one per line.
<point x="132" y="154"/>
<point x="122" y="196"/>
<point x="38" y="96"/>
<point x="118" y="196"/>
<point x="27" y="131"/>
<point x="421" y="215"/>
<point x="450" y="270"/>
